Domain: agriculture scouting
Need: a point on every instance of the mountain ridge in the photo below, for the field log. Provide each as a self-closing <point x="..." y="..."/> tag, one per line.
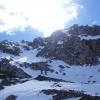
<point x="64" y="66"/>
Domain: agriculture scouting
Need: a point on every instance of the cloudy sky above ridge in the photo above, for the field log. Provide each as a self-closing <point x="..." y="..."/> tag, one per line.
<point x="44" y="15"/>
<point x="47" y="15"/>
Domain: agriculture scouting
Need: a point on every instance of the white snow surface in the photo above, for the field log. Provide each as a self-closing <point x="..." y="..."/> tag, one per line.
<point x="88" y="37"/>
<point x="25" y="56"/>
<point x="72" y="99"/>
<point x="60" y="42"/>
<point x="84" y="78"/>
<point x="31" y="89"/>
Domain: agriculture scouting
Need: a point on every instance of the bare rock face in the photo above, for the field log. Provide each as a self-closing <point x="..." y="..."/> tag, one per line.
<point x="38" y="42"/>
<point x="94" y="45"/>
<point x="9" y="47"/>
<point x="73" y="51"/>
<point x="77" y="52"/>
<point x="43" y="67"/>
<point x="11" y="97"/>
<point x="70" y="48"/>
<point x="1" y="87"/>
<point x="63" y="94"/>
<point x="11" y="70"/>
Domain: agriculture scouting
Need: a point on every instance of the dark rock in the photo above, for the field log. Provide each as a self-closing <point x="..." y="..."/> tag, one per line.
<point x="62" y="94"/>
<point x="88" y="97"/>
<point x="38" y="42"/>
<point x="11" y="70"/>
<point x="26" y="47"/>
<point x="88" y="30"/>
<point x="44" y="78"/>
<point x="21" y="74"/>
<point x="11" y="97"/>
<point x="12" y="81"/>
<point x="7" y="47"/>
<point x="94" y="46"/>
<point x="42" y="66"/>
<point x="1" y="87"/>
<point x="73" y="50"/>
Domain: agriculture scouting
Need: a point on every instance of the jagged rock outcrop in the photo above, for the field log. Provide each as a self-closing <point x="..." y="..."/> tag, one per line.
<point x="44" y="78"/>
<point x="62" y="94"/>
<point x="94" y="45"/>
<point x="88" y="30"/>
<point x="69" y="47"/>
<point x="1" y="87"/>
<point x="11" y="97"/>
<point x="43" y="67"/>
<point x="72" y="51"/>
<point x="38" y="42"/>
<point x="9" y="47"/>
<point x="11" y="70"/>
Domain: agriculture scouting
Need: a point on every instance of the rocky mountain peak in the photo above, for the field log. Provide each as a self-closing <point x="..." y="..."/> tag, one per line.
<point x="76" y="45"/>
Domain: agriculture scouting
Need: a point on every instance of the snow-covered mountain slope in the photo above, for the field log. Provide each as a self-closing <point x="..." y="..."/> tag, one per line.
<point x="31" y="89"/>
<point x="33" y="71"/>
<point x="78" y="78"/>
<point x="61" y="70"/>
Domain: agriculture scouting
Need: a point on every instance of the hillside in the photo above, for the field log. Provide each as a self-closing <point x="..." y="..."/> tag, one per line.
<point x="64" y="66"/>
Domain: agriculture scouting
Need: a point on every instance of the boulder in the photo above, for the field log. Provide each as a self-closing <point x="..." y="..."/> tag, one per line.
<point x="11" y="97"/>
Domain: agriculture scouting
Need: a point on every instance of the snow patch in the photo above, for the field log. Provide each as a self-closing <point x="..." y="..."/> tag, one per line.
<point x="60" y="42"/>
<point x="66" y="32"/>
<point x="33" y="87"/>
<point x="99" y="58"/>
<point x="23" y="59"/>
<point x="88" y="37"/>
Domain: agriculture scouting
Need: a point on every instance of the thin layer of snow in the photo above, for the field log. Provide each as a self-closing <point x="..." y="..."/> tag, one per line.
<point x="41" y="47"/>
<point x="31" y="56"/>
<point x="78" y="74"/>
<point x="35" y="96"/>
<point x="66" y="32"/>
<point x="23" y="59"/>
<point x="29" y="71"/>
<point x="25" y="56"/>
<point x="60" y="42"/>
<point x="99" y="58"/>
<point x="72" y="99"/>
<point x="56" y="63"/>
<point x="83" y="37"/>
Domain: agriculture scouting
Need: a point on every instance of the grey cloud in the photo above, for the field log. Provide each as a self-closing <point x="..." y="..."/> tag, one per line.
<point x="1" y="22"/>
<point x="13" y="13"/>
<point x="2" y="7"/>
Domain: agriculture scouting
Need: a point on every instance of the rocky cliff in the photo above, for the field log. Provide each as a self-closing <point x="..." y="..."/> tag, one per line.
<point x="77" y="45"/>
